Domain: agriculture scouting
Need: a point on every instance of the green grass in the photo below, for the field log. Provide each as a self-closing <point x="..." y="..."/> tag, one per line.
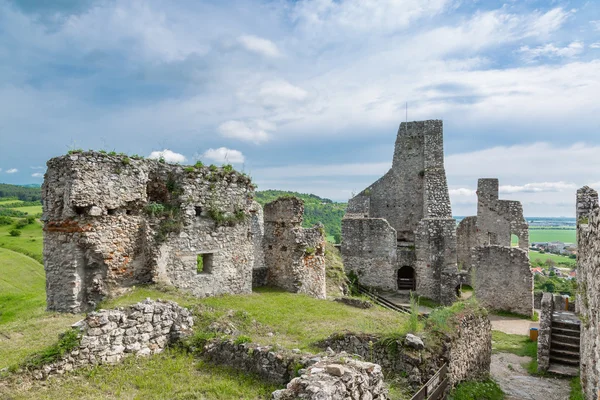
<point x="520" y="345"/>
<point x="576" y="389"/>
<point x="296" y="321"/>
<point x="509" y="314"/>
<point x="486" y="390"/>
<point x="534" y="255"/>
<point x="22" y="286"/>
<point x="170" y="375"/>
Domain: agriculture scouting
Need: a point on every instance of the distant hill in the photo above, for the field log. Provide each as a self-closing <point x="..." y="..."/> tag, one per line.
<point x="316" y="209"/>
<point x="25" y="193"/>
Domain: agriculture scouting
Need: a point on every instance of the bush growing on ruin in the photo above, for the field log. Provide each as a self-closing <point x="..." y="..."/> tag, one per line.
<point x="67" y="342"/>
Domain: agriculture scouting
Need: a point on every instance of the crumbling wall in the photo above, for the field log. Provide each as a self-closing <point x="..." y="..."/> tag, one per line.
<point x="588" y="295"/>
<point x="257" y="228"/>
<point x="498" y="219"/>
<point x="111" y="222"/>
<point x="294" y="256"/>
<point x="466" y="240"/>
<point x="369" y="251"/>
<point x="436" y="260"/>
<point x="545" y="332"/>
<point x="503" y="279"/>
<point x="337" y="378"/>
<point x="107" y="336"/>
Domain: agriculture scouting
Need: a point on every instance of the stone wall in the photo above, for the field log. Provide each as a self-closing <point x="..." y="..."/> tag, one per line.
<point x="467" y="351"/>
<point x="294" y="256"/>
<point x="369" y="251"/>
<point x="111" y="222"/>
<point x="466" y="240"/>
<point x="379" y="230"/>
<point x="588" y="295"/>
<point x="337" y="378"/>
<point x="545" y="332"/>
<point x="107" y="336"/>
<point x="498" y="219"/>
<point x="436" y="260"/>
<point x="503" y="279"/>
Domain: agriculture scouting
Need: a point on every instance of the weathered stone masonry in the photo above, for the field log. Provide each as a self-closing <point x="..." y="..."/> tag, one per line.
<point x="111" y="222"/>
<point x="294" y="256"/>
<point x="503" y="279"/>
<point x="588" y="296"/>
<point x="401" y="226"/>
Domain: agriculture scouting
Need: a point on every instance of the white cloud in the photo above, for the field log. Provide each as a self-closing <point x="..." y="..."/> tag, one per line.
<point x="224" y="155"/>
<point x="550" y="50"/>
<point x="168" y="155"/>
<point x="280" y="90"/>
<point x="539" y="187"/>
<point x="595" y="45"/>
<point x="462" y="192"/>
<point x="37" y="175"/>
<point x="259" y="45"/>
<point x="256" y="131"/>
<point x="12" y="171"/>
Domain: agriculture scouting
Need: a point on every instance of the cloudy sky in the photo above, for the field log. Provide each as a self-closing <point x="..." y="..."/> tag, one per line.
<point x="307" y="95"/>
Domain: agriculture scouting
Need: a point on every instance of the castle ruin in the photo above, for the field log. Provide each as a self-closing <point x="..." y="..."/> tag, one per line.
<point x="111" y="222"/>
<point x="399" y="232"/>
<point x="499" y="273"/>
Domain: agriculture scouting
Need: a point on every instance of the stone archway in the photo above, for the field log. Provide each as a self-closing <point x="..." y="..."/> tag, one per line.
<point x="407" y="278"/>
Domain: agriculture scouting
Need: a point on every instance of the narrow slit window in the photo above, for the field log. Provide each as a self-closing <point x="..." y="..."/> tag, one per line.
<point x="204" y="263"/>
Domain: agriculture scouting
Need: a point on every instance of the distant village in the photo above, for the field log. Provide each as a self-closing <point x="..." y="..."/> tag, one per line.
<point x="558" y="248"/>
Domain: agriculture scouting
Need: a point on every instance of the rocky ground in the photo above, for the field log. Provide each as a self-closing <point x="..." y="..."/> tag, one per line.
<point x="507" y="371"/>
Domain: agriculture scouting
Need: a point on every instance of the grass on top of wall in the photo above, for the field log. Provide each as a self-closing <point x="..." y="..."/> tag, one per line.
<point x="169" y="375"/>
<point x="294" y="320"/>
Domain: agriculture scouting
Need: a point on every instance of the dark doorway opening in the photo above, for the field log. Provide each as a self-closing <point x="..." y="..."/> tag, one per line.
<point x="406" y="278"/>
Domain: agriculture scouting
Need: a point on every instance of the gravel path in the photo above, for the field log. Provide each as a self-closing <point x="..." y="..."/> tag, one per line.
<point x="507" y="371"/>
<point x="515" y="326"/>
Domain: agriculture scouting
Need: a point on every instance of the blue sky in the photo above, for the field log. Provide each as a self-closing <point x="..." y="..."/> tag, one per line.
<point x="308" y="95"/>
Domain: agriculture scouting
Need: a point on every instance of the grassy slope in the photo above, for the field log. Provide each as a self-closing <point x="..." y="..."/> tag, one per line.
<point x="29" y="243"/>
<point x="552" y="235"/>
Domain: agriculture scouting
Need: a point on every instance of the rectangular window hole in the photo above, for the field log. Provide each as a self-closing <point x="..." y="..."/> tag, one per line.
<point x="204" y="263"/>
<point x="198" y="211"/>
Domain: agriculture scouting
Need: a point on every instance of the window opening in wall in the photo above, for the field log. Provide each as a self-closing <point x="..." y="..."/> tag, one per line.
<point x="112" y="211"/>
<point x="514" y="240"/>
<point x="198" y="211"/>
<point x="79" y="210"/>
<point x="204" y="263"/>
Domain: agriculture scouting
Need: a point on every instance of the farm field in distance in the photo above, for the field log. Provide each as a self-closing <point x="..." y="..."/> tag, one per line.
<point x="552" y="235"/>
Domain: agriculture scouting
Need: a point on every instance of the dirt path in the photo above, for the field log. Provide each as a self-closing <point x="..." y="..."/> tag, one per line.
<point x="515" y="326"/>
<point x="507" y="371"/>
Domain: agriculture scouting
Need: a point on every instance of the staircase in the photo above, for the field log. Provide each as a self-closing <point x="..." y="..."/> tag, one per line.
<point x="564" y="344"/>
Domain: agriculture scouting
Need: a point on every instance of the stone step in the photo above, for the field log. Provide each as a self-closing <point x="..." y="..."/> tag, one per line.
<point x="566" y="370"/>
<point x="565" y="331"/>
<point x="566" y="325"/>
<point x="565" y="338"/>
<point x="563" y="361"/>
<point x="558" y="345"/>
<point x="564" y="353"/>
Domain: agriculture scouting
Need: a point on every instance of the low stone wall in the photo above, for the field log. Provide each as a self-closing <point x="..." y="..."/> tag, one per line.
<point x="545" y="332"/>
<point x="277" y="366"/>
<point x="337" y="378"/>
<point x="467" y="350"/>
<point x="107" y="336"/>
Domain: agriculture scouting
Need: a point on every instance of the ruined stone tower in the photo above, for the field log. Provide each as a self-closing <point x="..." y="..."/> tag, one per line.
<point x="399" y="232"/>
<point x="499" y="273"/>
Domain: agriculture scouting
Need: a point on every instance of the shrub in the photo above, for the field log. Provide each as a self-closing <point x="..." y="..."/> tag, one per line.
<point x="198" y="164"/>
<point x="228" y="168"/>
<point x="242" y="339"/>
<point x="125" y="160"/>
<point x="22" y="223"/>
<point x="15" y="232"/>
<point x="5" y="220"/>
<point x="30" y="220"/>
<point x="154" y="209"/>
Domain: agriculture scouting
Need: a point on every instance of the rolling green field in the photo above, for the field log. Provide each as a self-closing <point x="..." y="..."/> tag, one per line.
<point x="534" y="255"/>
<point x="552" y="235"/>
